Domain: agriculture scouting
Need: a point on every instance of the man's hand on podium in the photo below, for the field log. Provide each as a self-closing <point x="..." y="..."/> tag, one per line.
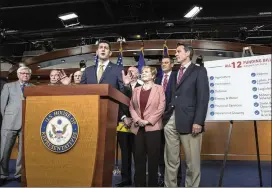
<point x="64" y="79"/>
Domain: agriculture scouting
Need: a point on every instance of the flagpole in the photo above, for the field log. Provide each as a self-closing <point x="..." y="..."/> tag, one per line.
<point x="121" y="48"/>
<point x="142" y="47"/>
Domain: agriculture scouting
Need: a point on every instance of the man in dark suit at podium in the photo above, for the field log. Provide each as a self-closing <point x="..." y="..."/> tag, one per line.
<point x="105" y="72"/>
<point x="166" y="80"/>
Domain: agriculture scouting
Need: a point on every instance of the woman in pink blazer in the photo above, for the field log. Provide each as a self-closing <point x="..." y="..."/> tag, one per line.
<point x="146" y="107"/>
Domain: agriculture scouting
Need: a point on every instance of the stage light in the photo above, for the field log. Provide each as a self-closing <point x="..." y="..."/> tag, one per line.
<point x="82" y="65"/>
<point x="69" y="19"/>
<point x="68" y="16"/>
<point x="243" y="33"/>
<point x="199" y="61"/>
<point x="22" y="64"/>
<point x="48" y="46"/>
<point x="193" y="12"/>
<point x="96" y="42"/>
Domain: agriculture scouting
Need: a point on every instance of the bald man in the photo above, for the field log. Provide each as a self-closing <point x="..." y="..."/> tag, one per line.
<point x="54" y="77"/>
<point x="77" y="77"/>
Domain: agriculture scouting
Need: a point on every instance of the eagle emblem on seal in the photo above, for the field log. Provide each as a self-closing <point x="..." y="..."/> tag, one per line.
<point x="58" y="131"/>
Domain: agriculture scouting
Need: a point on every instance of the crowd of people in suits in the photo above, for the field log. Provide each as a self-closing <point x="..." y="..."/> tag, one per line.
<point x="164" y="113"/>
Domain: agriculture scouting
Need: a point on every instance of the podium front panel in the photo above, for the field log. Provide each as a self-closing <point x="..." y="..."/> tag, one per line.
<point x="50" y="160"/>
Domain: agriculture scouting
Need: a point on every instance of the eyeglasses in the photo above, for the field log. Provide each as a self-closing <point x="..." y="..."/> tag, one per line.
<point x="24" y="73"/>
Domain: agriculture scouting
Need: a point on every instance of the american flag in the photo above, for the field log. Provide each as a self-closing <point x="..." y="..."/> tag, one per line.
<point x="165" y="50"/>
<point x="141" y="62"/>
<point x="120" y="58"/>
<point x="164" y="54"/>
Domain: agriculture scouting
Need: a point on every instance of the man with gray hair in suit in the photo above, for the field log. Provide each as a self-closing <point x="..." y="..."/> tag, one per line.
<point x="12" y="96"/>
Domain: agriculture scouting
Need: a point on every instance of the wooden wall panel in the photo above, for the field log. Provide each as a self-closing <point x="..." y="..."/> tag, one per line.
<point x="242" y="144"/>
<point x="147" y="44"/>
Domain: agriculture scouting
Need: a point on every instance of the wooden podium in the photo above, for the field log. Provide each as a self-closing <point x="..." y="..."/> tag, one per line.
<point x="90" y="160"/>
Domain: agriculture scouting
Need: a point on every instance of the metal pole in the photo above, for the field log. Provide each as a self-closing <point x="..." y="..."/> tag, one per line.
<point x="116" y="151"/>
<point x="225" y="156"/>
<point x="258" y="153"/>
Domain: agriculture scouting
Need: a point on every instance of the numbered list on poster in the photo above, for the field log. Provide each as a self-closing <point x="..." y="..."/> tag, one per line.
<point x="240" y="88"/>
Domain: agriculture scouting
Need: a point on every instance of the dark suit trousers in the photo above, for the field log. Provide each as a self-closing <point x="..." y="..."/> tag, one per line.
<point x="147" y="144"/>
<point x="126" y="143"/>
<point x="161" y="162"/>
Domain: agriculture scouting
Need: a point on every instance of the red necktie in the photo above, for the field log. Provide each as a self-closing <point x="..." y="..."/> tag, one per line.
<point x="181" y="69"/>
<point x="165" y="81"/>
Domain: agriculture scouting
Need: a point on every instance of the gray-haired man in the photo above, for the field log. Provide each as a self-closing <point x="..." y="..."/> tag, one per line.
<point x="11" y="110"/>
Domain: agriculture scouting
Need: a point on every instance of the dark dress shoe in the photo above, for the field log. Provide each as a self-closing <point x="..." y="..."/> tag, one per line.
<point x="161" y="184"/>
<point x="123" y="184"/>
<point x="18" y="179"/>
<point x="3" y="181"/>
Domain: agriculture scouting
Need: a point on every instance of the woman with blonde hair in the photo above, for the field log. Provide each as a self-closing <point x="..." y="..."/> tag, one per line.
<point x="146" y="107"/>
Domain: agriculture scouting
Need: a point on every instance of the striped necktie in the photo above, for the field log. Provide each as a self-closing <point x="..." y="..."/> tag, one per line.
<point x="165" y="81"/>
<point x="181" y="71"/>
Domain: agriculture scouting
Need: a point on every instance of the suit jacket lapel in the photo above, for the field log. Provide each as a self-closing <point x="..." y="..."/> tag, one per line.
<point x="186" y="74"/>
<point x="18" y="88"/>
<point x="94" y="73"/>
<point x="169" y="83"/>
<point x="137" y="85"/>
<point x="108" y="69"/>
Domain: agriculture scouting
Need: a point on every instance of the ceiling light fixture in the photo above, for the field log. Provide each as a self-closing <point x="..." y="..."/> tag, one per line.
<point x="69" y="19"/>
<point x="68" y="16"/>
<point x="193" y="12"/>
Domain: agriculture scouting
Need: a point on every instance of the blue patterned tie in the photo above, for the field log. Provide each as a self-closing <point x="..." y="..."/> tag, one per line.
<point x="23" y="87"/>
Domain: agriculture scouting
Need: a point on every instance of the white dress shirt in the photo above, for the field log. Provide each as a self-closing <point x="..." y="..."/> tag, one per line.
<point x="185" y="68"/>
<point x="134" y="84"/>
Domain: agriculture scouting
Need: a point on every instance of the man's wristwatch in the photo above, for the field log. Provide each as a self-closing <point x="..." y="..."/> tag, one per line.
<point x="123" y="117"/>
